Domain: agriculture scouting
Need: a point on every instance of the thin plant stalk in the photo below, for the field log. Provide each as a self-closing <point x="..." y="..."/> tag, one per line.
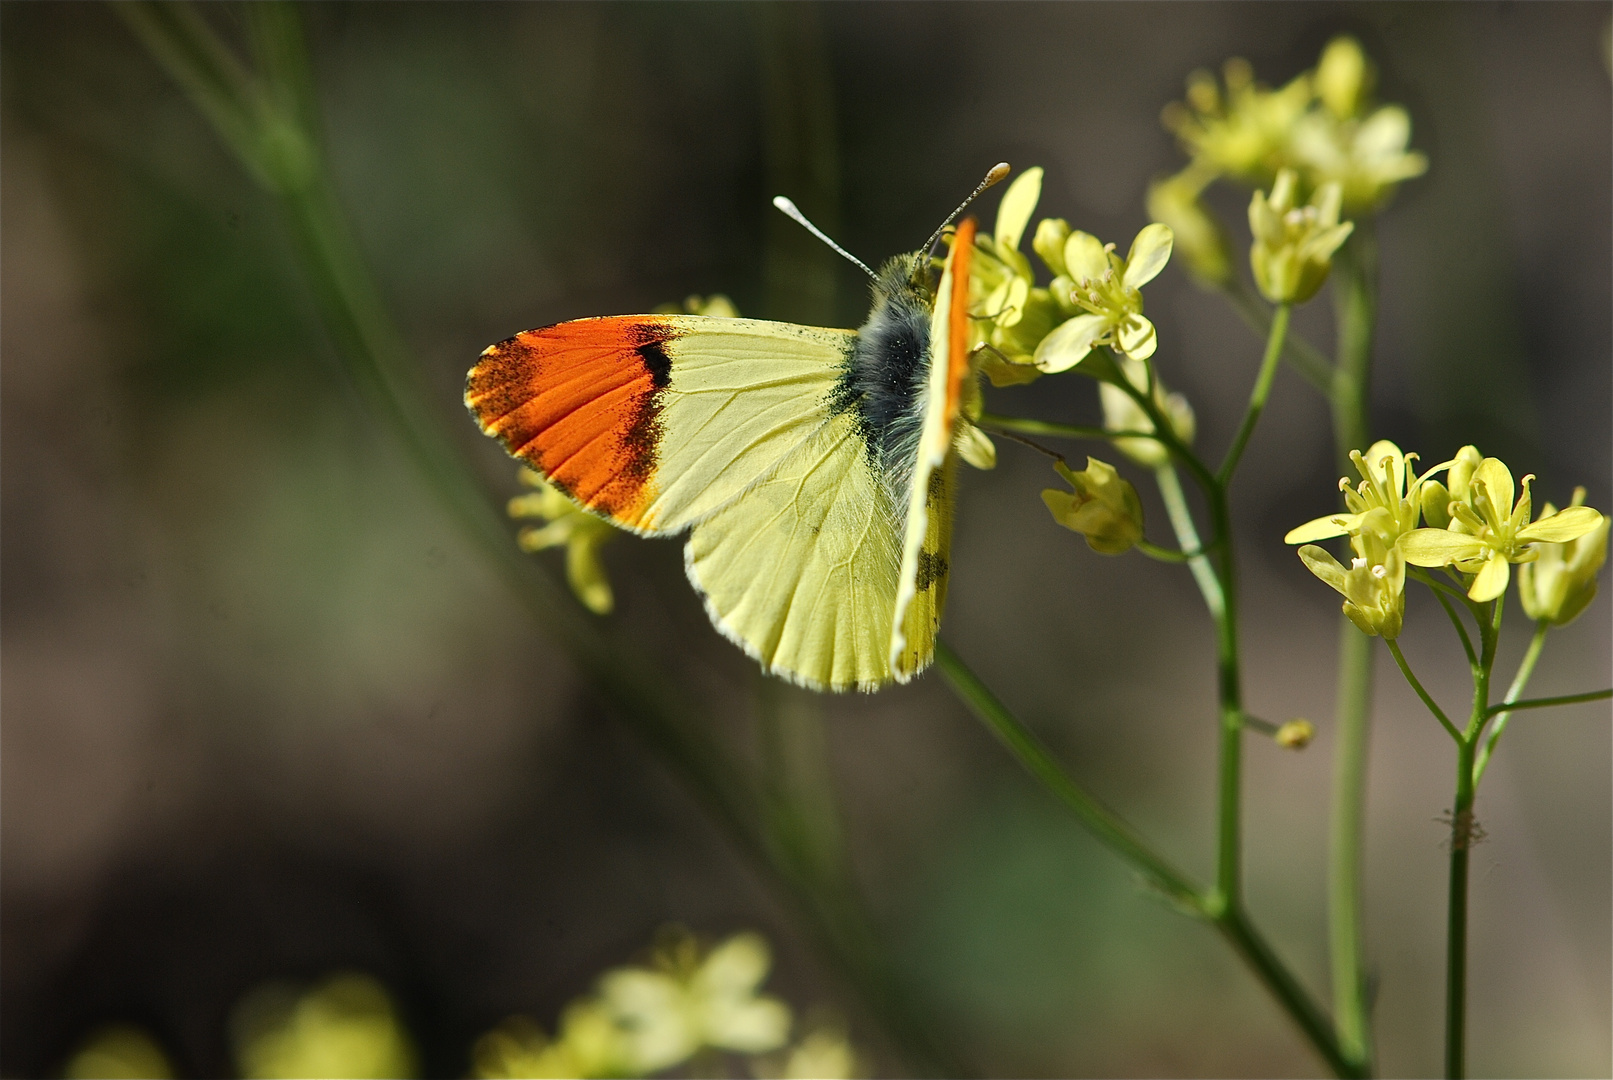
<point x="1355" y="313"/>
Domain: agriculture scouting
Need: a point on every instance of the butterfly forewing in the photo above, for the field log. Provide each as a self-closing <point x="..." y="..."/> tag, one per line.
<point x="654" y="421"/>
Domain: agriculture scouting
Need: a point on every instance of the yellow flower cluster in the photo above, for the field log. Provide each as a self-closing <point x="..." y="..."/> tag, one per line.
<point x="345" y="1026"/>
<point x="1322" y="124"/>
<point x="571" y="527"/>
<point x="644" y="1020"/>
<point x="1473" y="526"/>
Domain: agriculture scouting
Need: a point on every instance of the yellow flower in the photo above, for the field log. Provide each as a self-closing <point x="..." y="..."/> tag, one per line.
<point x="1374" y="586"/>
<point x="589" y="1045"/>
<point x="1367" y="158"/>
<point x="1122" y="413"/>
<point x="1018" y="313"/>
<point x="1244" y="132"/>
<point x="1488" y="531"/>
<point x="1387" y="501"/>
<point x="1294" y="245"/>
<point x="120" y="1051"/>
<point x="716" y="305"/>
<point x="1562" y="582"/>
<point x="1108" y="289"/>
<point x="569" y="526"/>
<point x="345" y="1027"/>
<point x="1104" y="507"/>
<point x="1200" y="238"/>
<point x="689" y="1001"/>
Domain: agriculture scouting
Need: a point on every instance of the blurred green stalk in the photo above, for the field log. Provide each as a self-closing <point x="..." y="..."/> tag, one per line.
<point x="1355" y="294"/>
<point x="270" y="120"/>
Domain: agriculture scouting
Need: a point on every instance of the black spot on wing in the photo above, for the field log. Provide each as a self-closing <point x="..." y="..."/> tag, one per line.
<point x="932" y="567"/>
<point x="649" y="341"/>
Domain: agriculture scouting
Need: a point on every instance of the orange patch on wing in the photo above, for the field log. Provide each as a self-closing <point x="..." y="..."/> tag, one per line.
<point x="958" y="333"/>
<point x="578" y="401"/>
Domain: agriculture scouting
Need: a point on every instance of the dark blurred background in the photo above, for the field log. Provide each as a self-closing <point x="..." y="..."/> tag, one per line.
<point x="267" y="714"/>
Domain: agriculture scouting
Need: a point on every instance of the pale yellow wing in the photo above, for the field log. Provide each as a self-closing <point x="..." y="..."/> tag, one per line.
<point x="801" y="571"/>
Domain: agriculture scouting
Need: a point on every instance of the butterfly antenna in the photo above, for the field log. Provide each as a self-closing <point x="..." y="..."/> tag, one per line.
<point x="794" y="214"/>
<point x="998" y="171"/>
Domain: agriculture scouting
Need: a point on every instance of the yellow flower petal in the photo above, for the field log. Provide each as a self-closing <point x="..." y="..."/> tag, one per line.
<point x="1150" y="251"/>
<point x="1070" y="343"/>
<point x="1565" y="525"/>
<point x="1492" y="580"/>
<point x="1018" y="202"/>
<point x="1323" y="528"/>
<point x="1084" y="257"/>
<point x="1438" y="547"/>
<point x="1136" y="338"/>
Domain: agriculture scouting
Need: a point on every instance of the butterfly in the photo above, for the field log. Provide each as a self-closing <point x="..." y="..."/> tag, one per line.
<point x="813" y="468"/>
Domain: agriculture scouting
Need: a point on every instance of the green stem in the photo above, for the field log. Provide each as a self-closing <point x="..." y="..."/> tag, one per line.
<point x="1433" y="706"/>
<point x="1355" y="314"/>
<point x="1028" y="750"/>
<point x="1346" y="827"/>
<point x="1548" y="702"/>
<point x="1125" y="842"/>
<point x="1022" y="426"/>
<point x="1462" y="834"/>
<point x="1305" y="358"/>
<point x="1525" y="669"/>
<point x="1257" y="397"/>
<point x="1166" y="555"/>
<point x="1187" y="536"/>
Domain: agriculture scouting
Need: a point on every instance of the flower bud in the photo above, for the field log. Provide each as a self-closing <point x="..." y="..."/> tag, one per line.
<point x="1436" y="503"/>
<point x="1344" y="77"/>
<point x="1294" y="245"/>
<point x="1373" y="587"/>
<point x="1104" y="507"/>
<point x="1051" y="235"/>
<point x="1295" y="734"/>
<point x="1561" y="583"/>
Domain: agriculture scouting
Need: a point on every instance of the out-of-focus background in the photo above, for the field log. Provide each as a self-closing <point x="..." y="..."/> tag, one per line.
<point x="268" y="715"/>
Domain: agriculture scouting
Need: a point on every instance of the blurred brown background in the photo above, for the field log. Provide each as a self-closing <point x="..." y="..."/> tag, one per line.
<point x="266" y="714"/>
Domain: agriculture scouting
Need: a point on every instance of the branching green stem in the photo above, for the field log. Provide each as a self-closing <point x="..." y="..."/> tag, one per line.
<point x="1306" y="359"/>
<point x="1119" y="837"/>
<point x="1526" y="668"/>
<point x="1548" y="702"/>
<point x="1433" y="706"/>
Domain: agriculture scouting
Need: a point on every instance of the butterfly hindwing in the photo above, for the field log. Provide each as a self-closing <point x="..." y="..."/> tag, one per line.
<point x="801" y="571"/>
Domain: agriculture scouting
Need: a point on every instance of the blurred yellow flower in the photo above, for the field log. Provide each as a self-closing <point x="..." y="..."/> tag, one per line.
<point x="688" y="1001"/>
<point x="716" y="305"/>
<point x="1243" y="132"/>
<point x="589" y="1044"/>
<point x="1367" y="158"/>
<point x="119" y="1052"/>
<point x="1201" y="240"/>
<point x="1561" y="583"/>
<point x="569" y="526"/>
<point x="345" y="1027"/>
<point x="1122" y="413"/>
<point x="1108" y="289"/>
